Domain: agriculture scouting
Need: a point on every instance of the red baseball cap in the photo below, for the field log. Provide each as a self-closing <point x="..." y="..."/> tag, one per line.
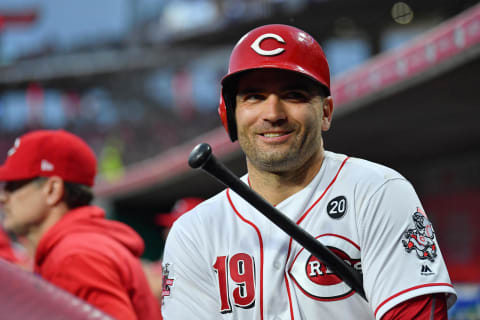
<point x="180" y="207"/>
<point x="46" y="153"/>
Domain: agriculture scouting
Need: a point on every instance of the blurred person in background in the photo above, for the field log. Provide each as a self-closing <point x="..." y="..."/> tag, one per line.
<point x="181" y="206"/>
<point x="16" y="250"/>
<point x="46" y="198"/>
<point x="153" y="270"/>
<point x="6" y="251"/>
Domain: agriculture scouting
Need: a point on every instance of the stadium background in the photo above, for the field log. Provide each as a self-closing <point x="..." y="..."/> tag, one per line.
<point x="139" y="80"/>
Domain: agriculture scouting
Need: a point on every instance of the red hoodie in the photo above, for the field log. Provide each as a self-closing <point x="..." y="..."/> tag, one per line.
<point x="98" y="260"/>
<point x="6" y="251"/>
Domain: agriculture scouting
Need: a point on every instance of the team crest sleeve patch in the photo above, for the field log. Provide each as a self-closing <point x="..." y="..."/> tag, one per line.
<point x="421" y="238"/>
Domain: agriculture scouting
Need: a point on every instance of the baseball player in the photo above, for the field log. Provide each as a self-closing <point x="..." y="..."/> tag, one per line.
<point x="225" y="260"/>
<point x="46" y="198"/>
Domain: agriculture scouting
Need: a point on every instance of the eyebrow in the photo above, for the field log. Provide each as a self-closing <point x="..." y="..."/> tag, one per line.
<point x="248" y="90"/>
<point x="304" y="87"/>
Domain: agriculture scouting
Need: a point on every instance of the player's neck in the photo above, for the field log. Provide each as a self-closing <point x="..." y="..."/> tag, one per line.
<point x="50" y="219"/>
<point x="276" y="187"/>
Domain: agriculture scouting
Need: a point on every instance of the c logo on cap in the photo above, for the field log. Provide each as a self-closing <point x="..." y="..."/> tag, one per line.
<point x="256" y="45"/>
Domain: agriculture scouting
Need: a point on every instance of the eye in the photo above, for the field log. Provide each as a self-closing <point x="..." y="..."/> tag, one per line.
<point x="12" y="186"/>
<point x="251" y="97"/>
<point x="297" y="96"/>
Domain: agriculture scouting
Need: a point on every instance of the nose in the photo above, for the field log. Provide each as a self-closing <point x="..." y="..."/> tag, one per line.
<point x="273" y="109"/>
<point x="3" y="196"/>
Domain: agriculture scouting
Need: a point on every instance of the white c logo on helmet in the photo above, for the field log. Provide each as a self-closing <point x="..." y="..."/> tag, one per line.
<point x="256" y="45"/>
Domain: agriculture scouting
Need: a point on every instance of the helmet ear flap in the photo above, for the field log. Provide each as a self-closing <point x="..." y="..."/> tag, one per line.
<point x="226" y="110"/>
<point x="222" y="111"/>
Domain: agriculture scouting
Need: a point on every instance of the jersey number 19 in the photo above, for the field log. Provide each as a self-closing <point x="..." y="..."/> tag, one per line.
<point x="240" y="269"/>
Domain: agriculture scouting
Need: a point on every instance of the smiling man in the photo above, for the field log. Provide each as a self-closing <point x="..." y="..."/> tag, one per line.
<point x="280" y="116"/>
<point x="225" y="260"/>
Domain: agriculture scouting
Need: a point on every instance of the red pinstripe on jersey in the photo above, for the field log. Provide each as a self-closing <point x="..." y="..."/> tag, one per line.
<point x="300" y="220"/>
<point x="289" y="297"/>
<point x="315" y="203"/>
<point x="260" y="240"/>
<point x="325" y="191"/>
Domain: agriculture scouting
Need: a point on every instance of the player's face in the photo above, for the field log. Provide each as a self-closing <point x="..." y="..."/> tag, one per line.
<point x="280" y="117"/>
<point x="23" y="205"/>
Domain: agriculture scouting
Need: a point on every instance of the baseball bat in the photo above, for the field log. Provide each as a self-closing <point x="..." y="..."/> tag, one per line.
<point x="202" y="157"/>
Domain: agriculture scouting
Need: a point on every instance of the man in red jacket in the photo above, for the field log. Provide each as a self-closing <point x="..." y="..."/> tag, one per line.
<point x="46" y="197"/>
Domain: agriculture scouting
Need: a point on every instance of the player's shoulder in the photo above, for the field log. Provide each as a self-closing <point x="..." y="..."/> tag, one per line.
<point x="363" y="170"/>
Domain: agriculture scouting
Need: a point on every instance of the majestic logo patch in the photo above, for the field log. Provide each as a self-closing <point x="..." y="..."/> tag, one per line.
<point x="426" y="271"/>
<point x="337" y="207"/>
<point x="317" y="281"/>
<point x="256" y="45"/>
<point x="421" y="238"/>
<point x="166" y="281"/>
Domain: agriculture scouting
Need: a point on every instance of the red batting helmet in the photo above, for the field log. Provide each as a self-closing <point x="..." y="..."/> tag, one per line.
<point x="274" y="46"/>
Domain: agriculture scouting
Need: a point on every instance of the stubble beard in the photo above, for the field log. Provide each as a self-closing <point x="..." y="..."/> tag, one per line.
<point x="278" y="161"/>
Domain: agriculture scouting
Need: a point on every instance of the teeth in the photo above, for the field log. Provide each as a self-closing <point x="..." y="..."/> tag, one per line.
<point x="272" y="135"/>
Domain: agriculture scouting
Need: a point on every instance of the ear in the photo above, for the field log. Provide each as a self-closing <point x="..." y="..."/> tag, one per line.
<point x="327" y="113"/>
<point x="53" y="189"/>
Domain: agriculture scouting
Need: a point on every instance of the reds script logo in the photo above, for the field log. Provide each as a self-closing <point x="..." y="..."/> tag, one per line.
<point x="256" y="45"/>
<point x="421" y="237"/>
<point x="317" y="281"/>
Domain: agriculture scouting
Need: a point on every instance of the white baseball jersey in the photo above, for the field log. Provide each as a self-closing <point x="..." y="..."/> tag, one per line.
<point x="225" y="260"/>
